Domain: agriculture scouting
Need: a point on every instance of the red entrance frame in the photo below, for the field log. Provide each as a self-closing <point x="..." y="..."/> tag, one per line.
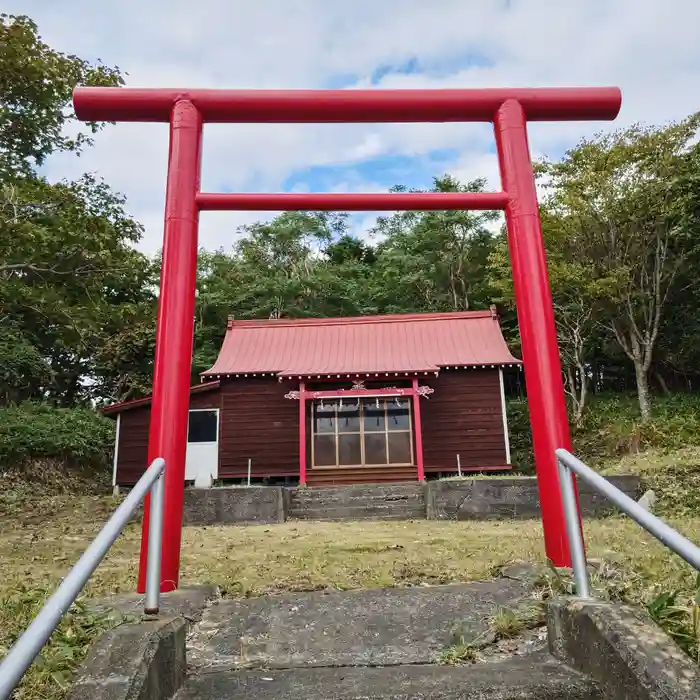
<point x="414" y="392"/>
<point x="508" y="109"/>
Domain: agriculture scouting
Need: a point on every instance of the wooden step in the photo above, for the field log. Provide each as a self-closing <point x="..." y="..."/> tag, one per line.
<point x="337" y="476"/>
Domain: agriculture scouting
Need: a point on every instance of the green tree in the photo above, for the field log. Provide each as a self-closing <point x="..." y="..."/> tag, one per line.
<point x="76" y="298"/>
<point x="434" y="261"/>
<point x="278" y="264"/>
<point x="22" y="366"/>
<point x="36" y="83"/>
<point x="219" y="281"/>
<point x="70" y="281"/>
<point x="348" y="249"/>
<point x="617" y="199"/>
<point x="678" y="356"/>
<point x="577" y="296"/>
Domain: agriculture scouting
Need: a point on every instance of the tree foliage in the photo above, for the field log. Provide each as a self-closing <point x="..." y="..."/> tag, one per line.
<point x="70" y="283"/>
<point x="36" y="83"/>
<point x="435" y="261"/>
<point x="34" y="431"/>
<point x="620" y="200"/>
<point x="76" y="297"/>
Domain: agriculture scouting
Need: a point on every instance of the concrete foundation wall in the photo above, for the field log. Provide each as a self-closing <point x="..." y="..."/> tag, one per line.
<point x="234" y="505"/>
<point x="513" y="497"/>
<point x="465" y="499"/>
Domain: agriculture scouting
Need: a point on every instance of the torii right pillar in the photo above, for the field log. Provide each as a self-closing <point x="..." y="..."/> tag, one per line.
<point x="546" y="401"/>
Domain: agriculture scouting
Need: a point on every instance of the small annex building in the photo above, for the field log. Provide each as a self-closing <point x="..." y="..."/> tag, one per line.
<point x="340" y="400"/>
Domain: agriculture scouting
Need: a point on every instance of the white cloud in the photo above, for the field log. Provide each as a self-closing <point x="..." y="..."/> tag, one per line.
<point x="648" y="48"/>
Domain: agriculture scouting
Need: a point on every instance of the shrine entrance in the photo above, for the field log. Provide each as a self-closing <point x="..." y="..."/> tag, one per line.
<point x="508" y="109"/>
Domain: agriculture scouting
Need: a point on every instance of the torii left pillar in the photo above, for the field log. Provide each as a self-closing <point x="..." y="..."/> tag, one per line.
<point x="171" y="383"/>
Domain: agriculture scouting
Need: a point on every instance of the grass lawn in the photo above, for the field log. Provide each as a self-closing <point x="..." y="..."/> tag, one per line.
<point x="37" y="549"/>
<point x="40" y="541"/>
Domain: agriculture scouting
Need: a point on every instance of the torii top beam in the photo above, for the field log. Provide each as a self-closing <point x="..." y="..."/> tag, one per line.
<point x="345" y="106"/>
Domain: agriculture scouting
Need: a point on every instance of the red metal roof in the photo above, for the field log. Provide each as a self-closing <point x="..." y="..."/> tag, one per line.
<point x="135" y="403"/>
<point x="363" y="345"/>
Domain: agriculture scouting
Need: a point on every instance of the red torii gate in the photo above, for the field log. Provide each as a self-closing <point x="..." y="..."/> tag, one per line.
<point x="508" y="109"/>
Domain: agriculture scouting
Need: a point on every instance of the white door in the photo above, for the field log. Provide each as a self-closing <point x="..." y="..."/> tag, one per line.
<point x="202" y="462"/>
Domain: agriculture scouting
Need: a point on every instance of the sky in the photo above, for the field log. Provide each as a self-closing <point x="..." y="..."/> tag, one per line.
<point x="649" y="48"/>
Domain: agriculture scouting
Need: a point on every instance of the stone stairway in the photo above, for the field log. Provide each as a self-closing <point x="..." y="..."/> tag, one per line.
<point x="373" y="644"/>
<point x="450" y="642"/>
<point x="359" y="502"/>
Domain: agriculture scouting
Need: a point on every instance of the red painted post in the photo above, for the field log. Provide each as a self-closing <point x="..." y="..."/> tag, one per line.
<point x="418" y="431"/>
<point x="545" y="391"/>
<point x="173" y="360"/>
<point x="302" y="433"/>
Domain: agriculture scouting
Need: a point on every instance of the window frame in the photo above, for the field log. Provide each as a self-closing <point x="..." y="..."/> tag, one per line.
<point x="218" y="426"/>
<point x="337" y="432"/>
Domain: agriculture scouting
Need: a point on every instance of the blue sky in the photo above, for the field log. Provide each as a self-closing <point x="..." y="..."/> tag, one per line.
<point x="385" y="171"/>
<point x="648" y="48"/>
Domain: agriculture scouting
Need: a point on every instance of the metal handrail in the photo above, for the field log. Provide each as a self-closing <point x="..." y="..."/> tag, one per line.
<point x="22" y="654"/>
<point x="569" y="465"/>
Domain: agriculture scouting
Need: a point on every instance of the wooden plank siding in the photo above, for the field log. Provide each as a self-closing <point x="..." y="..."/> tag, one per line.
<point x="464" y="417"/>
<point x="257" y="422"/>
<point x="132" y="457"/>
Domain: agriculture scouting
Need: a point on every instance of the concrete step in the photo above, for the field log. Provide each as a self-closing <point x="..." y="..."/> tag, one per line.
<point x="341" y="514"/>
<point x="534" y="678"/>
<point x="359" y="502"/>
<point x="376" y="644"/>
<point x="375" y="627"/>
<point x="362" y="490"/>
<point x="349" y="499"/>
